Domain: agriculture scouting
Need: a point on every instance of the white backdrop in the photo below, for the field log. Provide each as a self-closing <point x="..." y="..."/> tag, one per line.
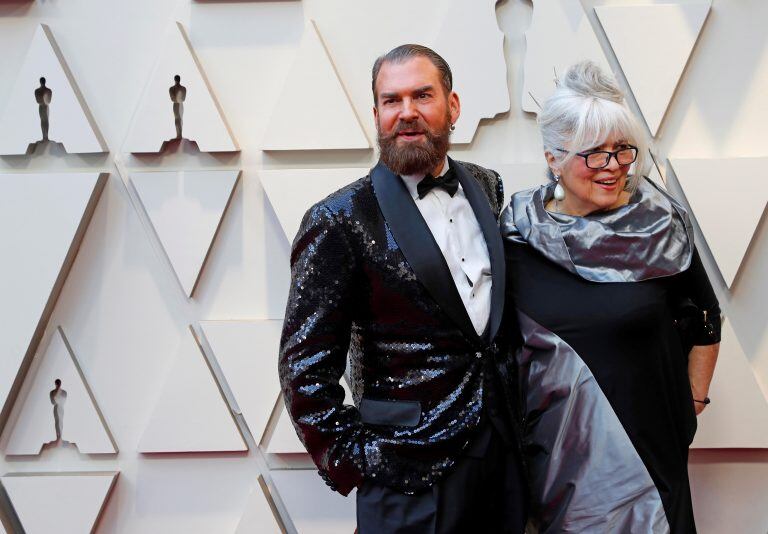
<point x="127" y="318"/>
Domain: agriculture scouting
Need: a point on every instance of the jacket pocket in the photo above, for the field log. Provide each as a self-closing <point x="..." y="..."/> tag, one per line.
<point x="390" y="412"/>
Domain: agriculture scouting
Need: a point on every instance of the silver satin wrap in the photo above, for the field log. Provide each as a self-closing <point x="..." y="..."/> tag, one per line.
<point x="650" y="237"/>
<point x="585" y="473"/>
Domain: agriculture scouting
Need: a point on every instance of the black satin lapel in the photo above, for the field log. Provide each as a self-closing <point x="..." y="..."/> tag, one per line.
<point x="418" y="246"/>
<point x="490" y="228"/>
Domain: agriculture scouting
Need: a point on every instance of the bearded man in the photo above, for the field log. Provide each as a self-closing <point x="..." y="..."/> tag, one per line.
<point x="402" y="274"/>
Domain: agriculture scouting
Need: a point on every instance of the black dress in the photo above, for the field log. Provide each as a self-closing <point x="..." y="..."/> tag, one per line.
<point x="603" y="369"/>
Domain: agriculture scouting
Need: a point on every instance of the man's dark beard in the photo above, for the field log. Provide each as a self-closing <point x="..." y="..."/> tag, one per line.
<point x="414" y="158"/>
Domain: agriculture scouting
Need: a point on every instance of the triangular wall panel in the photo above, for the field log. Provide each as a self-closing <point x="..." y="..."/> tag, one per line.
<point x="186" y="209"/>
<point x="80" y="420"/>
<point x="284" y="439"/>
<point x="154" y="121"/>
<point x="59" y="502"/>
<point x="70" y="121"/>
<point x="191" y="414"/>
<point x="304" y="493"/>
<point x="560" y="35"/>
<point x="715" y="187"/>
<point x="293" y="192"/>
<point x="481" y="85"/>
<point x="654" y="54"/>
<point x="324" y="120"/>
<point x="259" y="515"/>
<point x="738" y="415"/>
<point x="43" y="218"/>
<point x="247" y="354"/>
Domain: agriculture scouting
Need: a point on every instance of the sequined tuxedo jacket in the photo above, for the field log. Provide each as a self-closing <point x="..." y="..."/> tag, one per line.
<point x="369" y="279"/>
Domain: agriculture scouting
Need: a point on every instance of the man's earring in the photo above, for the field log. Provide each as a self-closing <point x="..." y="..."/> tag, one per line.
<point x="453" y="127"/>
<point x="559" y="191"/>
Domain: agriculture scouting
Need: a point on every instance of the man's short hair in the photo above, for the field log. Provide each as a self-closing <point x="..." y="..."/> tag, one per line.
<point x="405" y="52"/>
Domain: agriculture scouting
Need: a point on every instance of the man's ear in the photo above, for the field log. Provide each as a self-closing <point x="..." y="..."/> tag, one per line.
<point x="454" y="105"/>
<point x="376" y="114"/>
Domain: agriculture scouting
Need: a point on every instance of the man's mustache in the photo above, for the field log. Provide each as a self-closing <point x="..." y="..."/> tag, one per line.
<point x="410" y="125"/>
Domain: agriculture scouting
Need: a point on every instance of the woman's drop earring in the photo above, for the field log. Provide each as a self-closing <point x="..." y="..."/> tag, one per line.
<point x="559" y="191"/>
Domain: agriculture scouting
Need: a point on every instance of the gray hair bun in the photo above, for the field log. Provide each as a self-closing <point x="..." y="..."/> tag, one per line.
<point x="587" y="79"/>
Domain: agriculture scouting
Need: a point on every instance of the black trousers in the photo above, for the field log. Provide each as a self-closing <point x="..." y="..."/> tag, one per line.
<point x="484" y="494"/>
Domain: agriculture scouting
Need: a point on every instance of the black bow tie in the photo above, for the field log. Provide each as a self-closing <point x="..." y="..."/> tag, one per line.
<point x="449" y="181"/>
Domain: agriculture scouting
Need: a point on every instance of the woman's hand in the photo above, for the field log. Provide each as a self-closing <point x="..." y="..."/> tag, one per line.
<point x="701" y="366"/>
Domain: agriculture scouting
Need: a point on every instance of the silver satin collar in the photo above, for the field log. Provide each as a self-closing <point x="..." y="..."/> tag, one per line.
<point x="650" y="237"/>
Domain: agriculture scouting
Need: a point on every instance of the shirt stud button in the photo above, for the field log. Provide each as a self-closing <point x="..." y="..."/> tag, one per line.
<point x="478" y="355"/>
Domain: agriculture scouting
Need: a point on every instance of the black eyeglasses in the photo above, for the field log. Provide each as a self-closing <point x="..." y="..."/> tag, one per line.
<point x="599" y="159"/>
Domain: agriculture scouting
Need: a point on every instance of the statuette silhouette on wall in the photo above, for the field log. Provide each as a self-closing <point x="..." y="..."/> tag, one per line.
<point x="44" y="72"/>
<point x="178" y="94"/>
<point x="32" y="429"/>
<point x="43" y="97"/>
<point x="195" y="109"/>
<point x="58" y="397"/>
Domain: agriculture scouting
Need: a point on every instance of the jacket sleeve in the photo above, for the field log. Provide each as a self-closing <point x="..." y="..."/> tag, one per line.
<point x="313" y="349"/>
<point x="694" y="284"/>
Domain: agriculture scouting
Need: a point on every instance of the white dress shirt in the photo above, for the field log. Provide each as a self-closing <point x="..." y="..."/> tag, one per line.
<point x="455" y="228"/>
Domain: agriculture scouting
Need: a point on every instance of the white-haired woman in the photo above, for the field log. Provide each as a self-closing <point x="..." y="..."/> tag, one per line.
<point x="613" y="372"/>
